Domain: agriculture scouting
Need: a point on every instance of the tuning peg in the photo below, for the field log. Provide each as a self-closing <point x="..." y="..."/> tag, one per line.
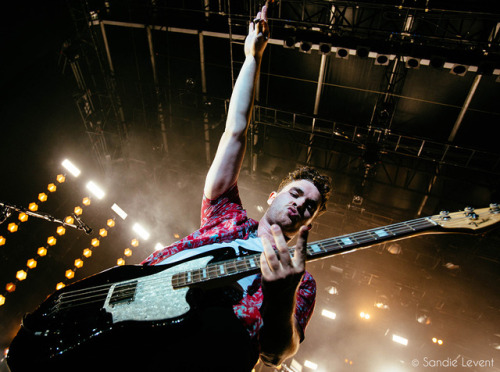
<point x="445" y="215"/>
<point x="494" y="208"/>
<point x="469" y="212"/>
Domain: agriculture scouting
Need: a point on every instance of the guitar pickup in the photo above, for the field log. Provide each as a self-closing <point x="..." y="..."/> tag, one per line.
<point x="124" y="292"/>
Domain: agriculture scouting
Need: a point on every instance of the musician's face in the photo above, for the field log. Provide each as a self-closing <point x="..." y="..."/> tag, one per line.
<point x="295" y="205"/>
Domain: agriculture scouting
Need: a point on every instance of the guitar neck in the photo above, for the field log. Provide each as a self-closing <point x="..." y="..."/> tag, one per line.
<point x="250" y="264"/>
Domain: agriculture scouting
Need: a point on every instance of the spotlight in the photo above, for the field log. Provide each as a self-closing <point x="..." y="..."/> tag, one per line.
<point x="70" y="167"/>
<point x="362" y="52"/>
<point x="289" y="42"/>
<point x="305" y="46"/>
<point x="459" y="70"/>
<point x="400" y="340"/>
<point x="96" y="190"/>
<point x="325" y="48"/>
<point x="382" y="59"/>
<point x="437" y="61"/>
<point x="141" y="231"/>
<point x="120" y="212"/>
<point x="412" y="62"/>
<point x="342" y="53"/>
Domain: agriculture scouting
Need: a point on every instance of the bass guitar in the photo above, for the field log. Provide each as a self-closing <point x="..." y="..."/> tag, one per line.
<point x="158" y="296"/>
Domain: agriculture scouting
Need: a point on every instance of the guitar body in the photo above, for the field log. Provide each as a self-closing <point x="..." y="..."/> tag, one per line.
<point x="96" y="323"/>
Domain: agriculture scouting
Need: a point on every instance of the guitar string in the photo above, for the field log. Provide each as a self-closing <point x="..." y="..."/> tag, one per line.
<point x="94" y="291"/>
<point x="76" y="297"/>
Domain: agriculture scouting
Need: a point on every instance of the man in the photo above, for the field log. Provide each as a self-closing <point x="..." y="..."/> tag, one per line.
<point x="268" y="318"/>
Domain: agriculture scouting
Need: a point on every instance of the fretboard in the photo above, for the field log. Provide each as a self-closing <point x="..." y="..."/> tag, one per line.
<point x="246" y="265"/>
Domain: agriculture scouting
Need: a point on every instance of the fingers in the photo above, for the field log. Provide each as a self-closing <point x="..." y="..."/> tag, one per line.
<point x="281" y="245"/>
<point x="300" y="254"/>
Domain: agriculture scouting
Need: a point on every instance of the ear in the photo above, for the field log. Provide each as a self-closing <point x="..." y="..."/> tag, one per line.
<point x="271" y="198"/>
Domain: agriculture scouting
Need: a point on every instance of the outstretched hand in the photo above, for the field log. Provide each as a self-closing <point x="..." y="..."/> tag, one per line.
<point x="258" y="34"/>
<point x="282" y="273"/>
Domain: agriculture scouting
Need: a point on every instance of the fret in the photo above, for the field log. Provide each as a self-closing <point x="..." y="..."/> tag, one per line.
<point x="381" y="233"/>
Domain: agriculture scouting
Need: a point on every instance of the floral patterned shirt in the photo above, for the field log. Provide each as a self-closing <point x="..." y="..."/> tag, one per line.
<point x="224" y="220"/>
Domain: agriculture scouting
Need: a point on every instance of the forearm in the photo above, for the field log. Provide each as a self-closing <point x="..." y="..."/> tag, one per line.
<point x="242" y="98"/>
<point x="279" y="337"/>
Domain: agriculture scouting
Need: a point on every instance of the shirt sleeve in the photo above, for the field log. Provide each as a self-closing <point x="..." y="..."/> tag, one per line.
<point x="306" y="299"/>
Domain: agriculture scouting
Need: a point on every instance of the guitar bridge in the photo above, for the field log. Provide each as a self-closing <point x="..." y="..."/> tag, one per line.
<point x="124" y="292"/>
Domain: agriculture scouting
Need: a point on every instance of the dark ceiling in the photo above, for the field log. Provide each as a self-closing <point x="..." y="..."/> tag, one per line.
<point x="135" y="103"/>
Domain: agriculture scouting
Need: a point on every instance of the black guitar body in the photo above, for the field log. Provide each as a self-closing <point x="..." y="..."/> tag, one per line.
<point x="208" y="336"/>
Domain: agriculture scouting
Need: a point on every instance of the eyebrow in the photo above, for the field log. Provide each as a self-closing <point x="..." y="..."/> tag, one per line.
<point x="312" y="202"/>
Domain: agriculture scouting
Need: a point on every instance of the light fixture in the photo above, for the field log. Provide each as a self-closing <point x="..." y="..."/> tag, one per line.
<point x="21" y="275"/>
<point x="61" y="230"/>
<point x="10" y="287"/>
<point x="51" y="240"/>
<point x="364" y="315"/>
<point x="362" y="51"/>
<point x="2" y="240"/>
<point x="325" y="48"/>
<point x="413" y="63"/>
<point x="158" y="246"/>
<point x="135" y="243"/>
<point x="141" y="231"/>
<point x="86" y="201"/>
<point x="31" y="263"/>
<point x="103" y="232"/>
<point x="69" y="220"/>
<point x="110" y="222"/>
<point x="120" y="262"/>
<point x="342" y="53"/>
<point x="96" y="190"/>
<point x="382" y="59"/>
<point x="95" y="242"/>
<point x="33" y="207"/>
<point x="60" y="285"/>
<point x="127" y="252"/>
<point x="42" y="251"/>
<point x="51" y="187"/>
<point x="78" y="211"/>
<point x="289" y="42"/>
<point x="60" y="178"/>
<point x="78" y="263"/>
<point x="399" y="340"/>
<point x="305" y="47"/>
<point x="310" y="365"/>
<point x="70" y="274"/>
<point x="2" y="300"/>
<point x="42" y="197"/>
<point x="70" y="167"/>
<point x="87" y="252"/>
<point x="459" y="70"/>
<point x="12" y="227"/>
<point x="120" y="212"/>
<point x="328" y="314"/>
<point x="23" y="217"/>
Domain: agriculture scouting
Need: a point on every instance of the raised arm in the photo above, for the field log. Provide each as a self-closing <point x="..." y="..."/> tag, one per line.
<point x="226" y="166"/>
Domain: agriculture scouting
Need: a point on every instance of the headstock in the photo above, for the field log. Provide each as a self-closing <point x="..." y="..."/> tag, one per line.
<point x="469" y="218"/>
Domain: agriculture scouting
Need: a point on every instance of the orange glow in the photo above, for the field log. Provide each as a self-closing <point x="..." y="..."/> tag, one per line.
<point x="120" y="262"/>
<point x="51" y="187"/>
<point x="21" y="275"/>
<point x="42" y="251"/>
<point x="135" y="243"/>
<point x="10" y="287"/>
<point x="31" y="263"/>
<point x="51" y="240"/>
<point x="69" y="220"/>
<point x="103" y="232"/>
<point x="33" y="207"/>
<point x="87" y="252"/>
<point x="61" y="230"/>
<point x="78" y="263"/>
<point x="23" y="217"/>
<point x="2" y="240"/>
<point x="86" y="201"/>
<point x="95" y="242"/>
<point x="60" y="285"/>
<point x="60" y="178"/>
<point x="127" y="252"/>
<point x="12" y="227"/>
<point x="70" y="274"/>
<point x="2" y="300"/>
<point x="78" y="211"/>
<point x="42" y="197"/>
<point x="111" y="223"/>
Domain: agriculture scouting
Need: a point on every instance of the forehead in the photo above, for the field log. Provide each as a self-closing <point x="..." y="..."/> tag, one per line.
<point x="306" y="187"/>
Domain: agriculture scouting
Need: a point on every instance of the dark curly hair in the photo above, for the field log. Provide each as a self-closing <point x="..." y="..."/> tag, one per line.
<point x="323" y="183"/>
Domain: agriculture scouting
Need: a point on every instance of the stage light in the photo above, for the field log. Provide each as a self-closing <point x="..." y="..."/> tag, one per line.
<point x="135" y="243"/>
<point x="437" y="62"/>
<point x="342" y="53"/>
<point x="111" y="223"/>
<point x="103" y="233"/>
<point x="364" y="315"/>
<point x="399" y="340"/>
<point x="61" y="230"/>
<point x="23" y="217"/>
<point x="328" y="314"/>
<point x="413" y="63"/>
<point x="69" y="220"/>
<point x="2" y="300"/>
<point x="86" y="201"/>
<point x="459" y="70"/>
<point x="12" y="227"/>
<point x="87" y="252"/>
<point x="51" y="187"/>
<point x="42" y="197"/>
<point x="120" y="262"/>
<point x="33" y="207"/>
<point x="141" y="231"/>
<point x="31" y="263"/>
<point x="127" y="252"/>
<point x="362" y="51"/>
<point x="382" y="60"/>
<point x="78" y="211"/>
<point x="2" y="240"/>
<point x="325" y="48"/>
<point x="10" y="287"/>
<point x="289" y="42"/>
<point x="310" y="365"/>
<point x="159" y="246"/>
<point x="60" y="178"/>
<point x="305" y="46"/>
<point x="70" y="167"/>
<point x="78" y="263"/>
<point x="95" y="242"/>
<point x="70" y="274"/>
<point x="42" y="251"/>
<point x="96" y="190"/>
<point x="21" y="275"/>
<point x="60" y="285"/>
<point x="120" y="212"/>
